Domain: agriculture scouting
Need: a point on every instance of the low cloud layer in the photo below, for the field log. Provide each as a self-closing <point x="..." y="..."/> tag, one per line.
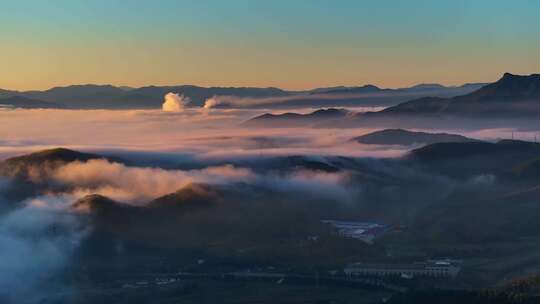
<point x="218" y="133"/>
<point x="191" y="146"/>
<point x="46" y="231"/>
<point x="138" y="185"/>
<point x="196" y="134"/>
<point x="36" y="241"/>
<point x="307" y="100"/>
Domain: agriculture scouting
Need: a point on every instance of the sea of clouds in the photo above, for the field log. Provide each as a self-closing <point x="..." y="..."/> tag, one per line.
<point x="212" y="138"/>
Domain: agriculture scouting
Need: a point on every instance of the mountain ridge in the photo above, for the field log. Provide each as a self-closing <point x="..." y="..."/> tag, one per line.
<point x="511" y="94"/>
<point x="89" y="96"/>
<point x="406" y="137"/>
<point x="289" y="119"/>
<point x="22" y="102"/>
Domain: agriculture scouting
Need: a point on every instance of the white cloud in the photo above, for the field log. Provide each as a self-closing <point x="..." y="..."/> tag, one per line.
<point x="175" y="103"/>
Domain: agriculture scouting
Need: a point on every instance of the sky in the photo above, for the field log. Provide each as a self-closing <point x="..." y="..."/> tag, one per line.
<point x="296" y="44"/>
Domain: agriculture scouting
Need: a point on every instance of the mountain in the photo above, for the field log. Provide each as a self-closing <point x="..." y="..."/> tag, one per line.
<point x="193" y="217"/>
<point x="434" y="89"/>
<point x="426" y="105"/>
<point x="167" y="221"/>
<point x="369" y="95"/>
<point x="351" y="90"/>
<point x="30" y="173"/>
<point x="445" y="150"/>
<point x="91" y="96"/>
<point x="506" y="159"/>
<point x="7" y="93"/>
<point x="296" y="119"/>
<point x="510" y="95"/>
<point x="405" y="137"/>
<point x="508" y="89"/>
<point x="80" y="96"/>
<point x="198" y="95"/>
<point x="28" y="103"/>
<point x="39" y="163"/>
<point x="51" y="155"/>
<point x="426" y="86"/>
<point x="326" y="89"/>
<point x="192" y="196"/>
<point x="95" y="203"/>
<point x="111" y="97"/>
<point x="499" y="198"/>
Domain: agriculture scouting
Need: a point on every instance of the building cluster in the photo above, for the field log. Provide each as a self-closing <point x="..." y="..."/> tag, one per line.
<point x="363" y="231"/>
<point x="430" y="268"/>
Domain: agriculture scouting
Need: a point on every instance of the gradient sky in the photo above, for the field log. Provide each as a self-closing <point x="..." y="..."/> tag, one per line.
<point x="293" y="44"/>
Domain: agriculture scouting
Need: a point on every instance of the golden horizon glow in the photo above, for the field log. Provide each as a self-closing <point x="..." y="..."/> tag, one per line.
<point x="291" y="46"/>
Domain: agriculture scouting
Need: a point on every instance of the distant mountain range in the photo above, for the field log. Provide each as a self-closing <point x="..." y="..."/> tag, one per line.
<point x="512" y="96"/>
<point x="405" y="137"/>
<point x="294" y="119"/>
<point x="110" y="97"/>
<point x="28" y="103"/>
<point x="423" y="87"/>
<point x="150" y="97"/>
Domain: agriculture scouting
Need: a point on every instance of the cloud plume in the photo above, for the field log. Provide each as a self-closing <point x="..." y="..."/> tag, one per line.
<point x="138" y="185"/>
<point x="175" y="102"/>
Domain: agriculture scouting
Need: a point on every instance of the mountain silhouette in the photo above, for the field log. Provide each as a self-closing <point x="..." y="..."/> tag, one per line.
<point x="510" y="95"/>
<point x="28" y="103"/>
<point x="405" y="137"/>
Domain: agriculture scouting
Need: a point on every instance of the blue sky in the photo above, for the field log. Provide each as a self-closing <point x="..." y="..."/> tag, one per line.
<point x="293" y="44"/>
